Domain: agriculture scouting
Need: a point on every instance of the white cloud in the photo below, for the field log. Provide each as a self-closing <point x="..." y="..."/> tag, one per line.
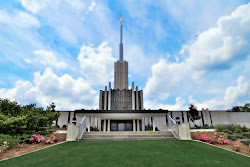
<point x="66" y="92"/>
<point x="234" y="95"/>
<point x="97" y="64"/>
<point x="165" y="76"/>
<point x="220" y="47"/>
<point x="18" y="19"/>
<point x="91" y="7"/>
<point x="47" y="58"/>
<point x="70" y="18"/>
<point x="34" y="5"/>
<point x="217" y="49"/>
<point x="179" y="105"/>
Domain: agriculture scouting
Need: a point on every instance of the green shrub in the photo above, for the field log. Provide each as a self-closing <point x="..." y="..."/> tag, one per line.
<point x="244" y="129"/>
<point x="228" y="131"/>
<point x="231" y="128"/>
<point x="238" y="131"/>
<point x="220" y="128"/>
<point x="245" y="142"/>
<point x="17" y="120"/>
<point x="239" y="136"/>
<point x="246" y="134"/>
<point x="231" y="137"/>
<point x="12" y="141"/>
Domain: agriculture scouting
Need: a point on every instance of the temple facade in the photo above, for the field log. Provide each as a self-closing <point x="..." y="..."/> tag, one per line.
<point x="121" y="109"/>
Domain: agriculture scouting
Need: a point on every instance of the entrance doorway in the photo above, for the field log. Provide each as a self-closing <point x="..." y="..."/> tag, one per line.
<point x="121" y="125"/>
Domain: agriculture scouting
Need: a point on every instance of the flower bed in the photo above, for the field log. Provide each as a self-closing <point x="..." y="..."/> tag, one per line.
<point x="221" y="140"/>
<point x="37" y="142"/>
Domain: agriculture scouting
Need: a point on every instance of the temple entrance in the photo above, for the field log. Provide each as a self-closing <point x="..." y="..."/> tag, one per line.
<point x="121" y="125"/>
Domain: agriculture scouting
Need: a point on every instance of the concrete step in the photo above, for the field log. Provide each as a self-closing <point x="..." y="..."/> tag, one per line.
<point x="119" y="136"/>
<point x="129" y="138"/>
<point x="129" y="132"/>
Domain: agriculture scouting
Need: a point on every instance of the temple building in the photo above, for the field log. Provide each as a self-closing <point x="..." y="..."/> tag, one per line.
<point x="121" y="97"/>
<point x="121" y="109"/>
<point x="119" y="100"/>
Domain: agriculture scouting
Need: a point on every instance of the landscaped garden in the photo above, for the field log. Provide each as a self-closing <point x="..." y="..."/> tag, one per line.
<point x="21" y="127"/>
<point x="130" y="153"/>
<point x="233" y="137"/>
<point x="27" y="128"/>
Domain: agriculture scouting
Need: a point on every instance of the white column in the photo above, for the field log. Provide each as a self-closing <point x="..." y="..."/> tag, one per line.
<point x="109" y="97"/>
<point x="89" y="124"/>
<point x="138" y="125"/>
<point x="136" y="98"/>
<point x="133" y="97"/>
<point x="100" y="100"/>
<point x="153" y="120"/>
<point x="143" y="124"/>
<point x="141" y="93"/>
<point x="133" y="125"/>
<point x="105" y="98"/>
<point x="104" y="126"/>
<point x="185" y="116"/>
<point x="99" y="124"/>
<point x="108" y="125"/>
<point x="96" y="122"/>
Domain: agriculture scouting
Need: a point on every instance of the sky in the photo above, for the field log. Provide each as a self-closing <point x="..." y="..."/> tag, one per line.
<point x="179" y="52"/>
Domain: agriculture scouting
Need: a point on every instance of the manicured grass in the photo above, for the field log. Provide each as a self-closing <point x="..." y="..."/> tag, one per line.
<point x="130" y="153"/>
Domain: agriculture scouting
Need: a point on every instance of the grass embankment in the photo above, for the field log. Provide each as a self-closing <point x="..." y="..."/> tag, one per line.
<point x="130" y="153"/>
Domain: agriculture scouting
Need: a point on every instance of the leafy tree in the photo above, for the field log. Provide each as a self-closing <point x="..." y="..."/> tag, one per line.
<point x="52" y="107"/>
<point x="19" y="120"/>
<point x="193" y="113"/>
<point x="245" y="108"/>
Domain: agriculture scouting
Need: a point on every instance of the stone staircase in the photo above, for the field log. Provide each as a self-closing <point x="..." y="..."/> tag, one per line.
<point x="122" y="136"/>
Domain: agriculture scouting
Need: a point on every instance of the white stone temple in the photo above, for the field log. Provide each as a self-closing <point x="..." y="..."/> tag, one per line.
<point x="121" y="112"/>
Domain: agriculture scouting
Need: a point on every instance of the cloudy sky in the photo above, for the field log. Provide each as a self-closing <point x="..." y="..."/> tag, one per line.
<point x="179" y="52"/>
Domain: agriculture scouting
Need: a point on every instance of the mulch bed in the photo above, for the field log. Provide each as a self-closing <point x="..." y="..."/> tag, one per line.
<point x="243" y="150"/>
<point x="25" y="148"/>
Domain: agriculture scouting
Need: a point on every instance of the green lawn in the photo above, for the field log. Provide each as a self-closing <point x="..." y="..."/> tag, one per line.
<point x="130" y="153"/>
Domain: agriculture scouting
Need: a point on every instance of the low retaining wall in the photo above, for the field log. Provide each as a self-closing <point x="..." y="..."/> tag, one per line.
<point x="184" y="131"/>
<point x="72" y="132"/>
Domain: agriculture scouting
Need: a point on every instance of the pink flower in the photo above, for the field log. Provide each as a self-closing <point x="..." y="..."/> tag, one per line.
<point x="31" y="139"/>
<point x="5" y="142"/>
<point x="0" y="150"/>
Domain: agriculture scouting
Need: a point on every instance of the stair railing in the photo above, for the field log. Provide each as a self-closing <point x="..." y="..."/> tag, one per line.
<point x="82" y="128"/>
<point x="173" y="126"/>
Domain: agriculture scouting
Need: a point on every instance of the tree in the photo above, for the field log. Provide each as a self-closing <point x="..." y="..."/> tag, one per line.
<point x="193" y="113"/>
<point x="17" y="120"/>
<point x="245" y="108"/>
<point x="52" y="107"/>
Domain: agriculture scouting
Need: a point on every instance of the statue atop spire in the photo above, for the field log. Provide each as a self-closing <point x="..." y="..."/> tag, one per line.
<point x="121" y="20"/>
<point x="121" y="44"/>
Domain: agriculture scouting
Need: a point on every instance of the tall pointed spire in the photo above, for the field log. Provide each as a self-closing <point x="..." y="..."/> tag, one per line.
<point x="121" y="44"/>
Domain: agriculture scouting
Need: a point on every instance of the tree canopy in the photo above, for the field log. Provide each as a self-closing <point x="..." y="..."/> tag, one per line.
<point x="193" y="113"/>
<point x="245" y="108"/>
<point x="16" y="119"/>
